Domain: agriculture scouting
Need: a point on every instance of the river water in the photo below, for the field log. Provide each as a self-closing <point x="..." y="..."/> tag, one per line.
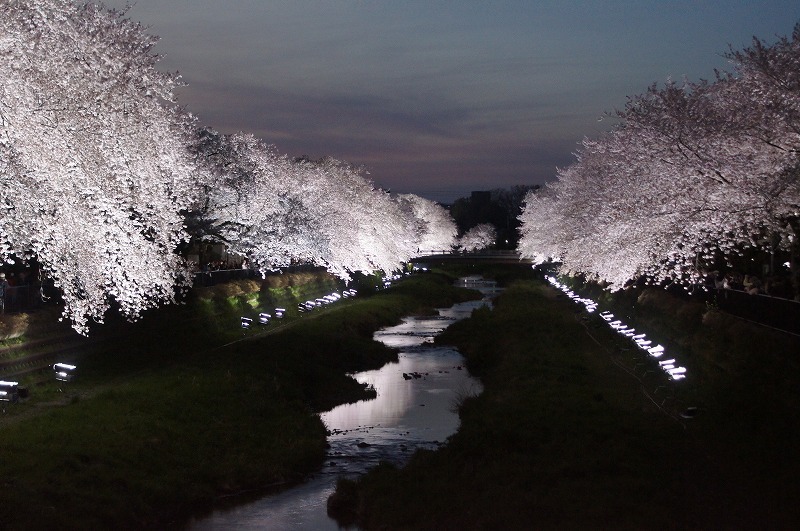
<point x="415" y="408"/>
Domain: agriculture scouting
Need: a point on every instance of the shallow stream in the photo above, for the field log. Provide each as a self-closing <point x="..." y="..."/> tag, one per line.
<point x="415" y="408"/>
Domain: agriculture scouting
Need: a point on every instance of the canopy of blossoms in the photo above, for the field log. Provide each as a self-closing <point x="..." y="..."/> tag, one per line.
<point x="693" y="172"/>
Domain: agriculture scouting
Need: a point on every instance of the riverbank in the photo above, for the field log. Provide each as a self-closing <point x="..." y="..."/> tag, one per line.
<point x="564" y="438"/>
<point x="181" y="412"/>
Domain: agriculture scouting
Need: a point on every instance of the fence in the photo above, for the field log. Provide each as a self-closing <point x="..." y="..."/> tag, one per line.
<point x="28" y="297"/>
<point x="459" y="252"/>
<point x="220" y="276"/>
<point x="776" y="312"/>
<point x="764" y="309"/>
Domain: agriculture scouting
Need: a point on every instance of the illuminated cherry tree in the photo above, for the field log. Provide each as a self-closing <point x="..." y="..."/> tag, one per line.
<point x="360" y="228"/>
<point x="478" y="237"/>
<point x="93" y="163"/>
<point x="255" y="202"/>
<point x="693" y="172"/>
<point x="432" y="225"/>
<point x="278" y="212"/>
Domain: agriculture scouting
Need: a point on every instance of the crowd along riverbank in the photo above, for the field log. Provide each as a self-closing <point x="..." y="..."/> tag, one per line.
<point x="181" y="413"/>
<point x="564" y="437"/>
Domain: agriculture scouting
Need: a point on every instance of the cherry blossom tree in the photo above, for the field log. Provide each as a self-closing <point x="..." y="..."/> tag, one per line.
<point x="693" y="172"/>
<point x="360" y="227"/>
<point x="93" y="162"/>
<point x="278" y="212"/>
<point x="770" y="76"/>
<point x="478" y="237"/>
<point x="253" y="205"/>
<point x="432" y="225"/>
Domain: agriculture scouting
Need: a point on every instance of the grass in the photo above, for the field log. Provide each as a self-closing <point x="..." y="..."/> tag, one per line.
<point x="171" y="414"/>
<point x="563" y="438"/>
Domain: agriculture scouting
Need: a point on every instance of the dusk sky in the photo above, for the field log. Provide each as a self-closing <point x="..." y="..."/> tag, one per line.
<point x="439" y="97"/>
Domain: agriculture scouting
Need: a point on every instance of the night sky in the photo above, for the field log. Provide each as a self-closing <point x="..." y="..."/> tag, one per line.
<point x="440" y="97"/>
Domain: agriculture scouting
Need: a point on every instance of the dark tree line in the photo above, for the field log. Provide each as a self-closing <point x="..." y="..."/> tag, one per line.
<point x="500" y="207"/>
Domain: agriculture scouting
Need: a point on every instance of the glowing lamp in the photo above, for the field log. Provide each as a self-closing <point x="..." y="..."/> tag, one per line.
<point x="656" y="351"/>
<point x="279" y="312"/>
<point x="8" y="391"/>
<point x="264" y="318"/>
<point x="246" y="322"/>
<point x="64" y="372"/>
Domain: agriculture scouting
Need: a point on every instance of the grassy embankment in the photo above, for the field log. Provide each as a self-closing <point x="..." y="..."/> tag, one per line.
<point x="172" y="413"/>
<point x="564" y="438"/>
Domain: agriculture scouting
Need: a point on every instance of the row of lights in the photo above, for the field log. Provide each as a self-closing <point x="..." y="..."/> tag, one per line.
<point x="327" y="299"/>
<point x="387" y="280"/>
<point x="64" y="372"/>
<point x="9" y="391"/>
<point x="265" y="318"/>
<point x="657" y="351"/>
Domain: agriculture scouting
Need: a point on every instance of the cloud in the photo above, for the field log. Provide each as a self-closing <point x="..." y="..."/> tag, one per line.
<point x="405" y="146"/>
<point x="439" y="96"/>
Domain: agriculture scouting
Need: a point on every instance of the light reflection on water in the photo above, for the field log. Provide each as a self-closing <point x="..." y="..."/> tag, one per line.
<point x="414" y="409"/>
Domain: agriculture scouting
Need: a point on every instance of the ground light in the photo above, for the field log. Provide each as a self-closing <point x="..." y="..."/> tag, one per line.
<point x="64" y="372"/>
<point x="9" y="391"/>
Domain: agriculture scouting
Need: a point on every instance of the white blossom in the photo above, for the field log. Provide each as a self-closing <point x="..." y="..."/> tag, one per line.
<point x="478" y="237"/>
<point x="277" y="212"/>
<point x="693" y="172"/>
<point x="432" y="225"/>
<point x="93" y="165"/>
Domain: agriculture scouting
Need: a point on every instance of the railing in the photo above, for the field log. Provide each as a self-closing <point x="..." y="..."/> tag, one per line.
<point x="776" y="312"/>
<point x="27" y="297"/>
<point x="31" y="296"/>
<point x="220" y="276"/>
<point x="501" y="256"/>
<point x="459" y="252"/>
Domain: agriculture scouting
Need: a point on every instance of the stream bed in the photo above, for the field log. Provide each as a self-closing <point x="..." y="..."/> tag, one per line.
<point x="415" y="408"/>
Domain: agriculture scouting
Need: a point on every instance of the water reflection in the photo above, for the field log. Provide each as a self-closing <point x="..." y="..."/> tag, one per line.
<point x="415" y="408"/>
